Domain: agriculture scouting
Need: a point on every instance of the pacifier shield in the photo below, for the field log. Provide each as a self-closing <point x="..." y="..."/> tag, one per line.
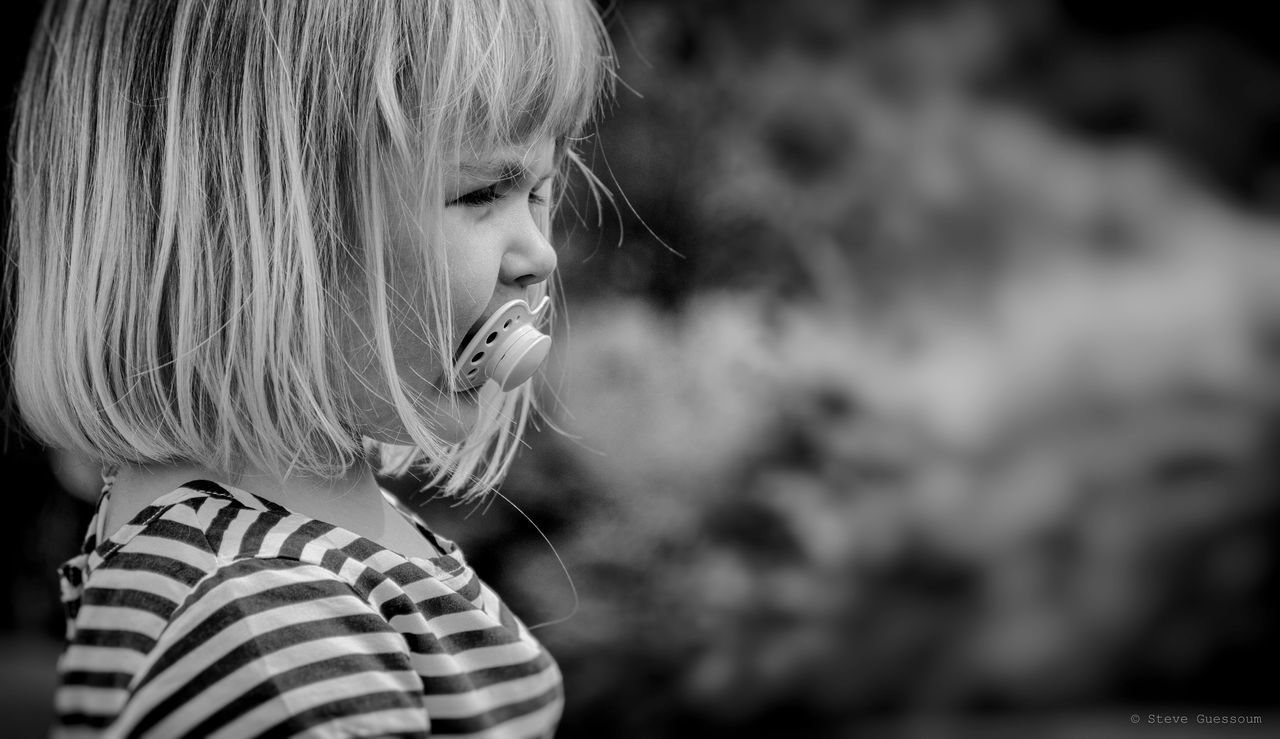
<point x="508" y="348"/>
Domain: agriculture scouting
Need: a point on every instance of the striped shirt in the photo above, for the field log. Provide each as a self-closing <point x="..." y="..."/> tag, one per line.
<point x="215" y="612"/>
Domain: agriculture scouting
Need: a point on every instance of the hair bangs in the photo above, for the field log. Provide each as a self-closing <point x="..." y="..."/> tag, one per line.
<point x="542" y="67"/>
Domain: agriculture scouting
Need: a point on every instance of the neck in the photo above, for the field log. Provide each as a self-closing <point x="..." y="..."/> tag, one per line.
<point x="352" y="501"/>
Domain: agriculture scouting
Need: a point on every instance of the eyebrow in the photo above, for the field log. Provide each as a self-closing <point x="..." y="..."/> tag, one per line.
<point x="512" y="170"/>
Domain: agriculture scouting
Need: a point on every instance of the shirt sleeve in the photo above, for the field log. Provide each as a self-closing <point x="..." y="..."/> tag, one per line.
<point x="275" y="647"/>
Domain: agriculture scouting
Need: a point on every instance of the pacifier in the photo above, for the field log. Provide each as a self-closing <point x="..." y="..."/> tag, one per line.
<point x="507" y="348"/>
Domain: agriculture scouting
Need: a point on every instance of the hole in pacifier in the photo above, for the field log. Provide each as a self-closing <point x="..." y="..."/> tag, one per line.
<point x="473" y="372"/>
<point x="478" y="357"/>
<point x="491" y="337"/>
<point x="507" y="324"/>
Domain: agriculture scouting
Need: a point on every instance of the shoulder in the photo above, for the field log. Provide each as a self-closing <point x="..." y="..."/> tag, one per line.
<point x="257" y="642"/>
<point x="275" y="643"/>
<point x="203" y="547"/>
<point x="159" y="558"/>
<point x="201" y="528"/>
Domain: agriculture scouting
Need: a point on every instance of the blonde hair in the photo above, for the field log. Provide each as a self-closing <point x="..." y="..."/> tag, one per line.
<point x="195" y="184"/>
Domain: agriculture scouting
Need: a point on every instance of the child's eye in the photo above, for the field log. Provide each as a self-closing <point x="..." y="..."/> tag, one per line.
<point x="490" y="194"/>
<point x="540" y="195"/>
<point x="483" y="196"/>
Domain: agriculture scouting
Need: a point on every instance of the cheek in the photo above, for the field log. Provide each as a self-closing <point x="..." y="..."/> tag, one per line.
<point x="470" y="288"/>
<point x="472" y="270"/>
<point x="473" y="267"/>
<point x="408" y="324"/>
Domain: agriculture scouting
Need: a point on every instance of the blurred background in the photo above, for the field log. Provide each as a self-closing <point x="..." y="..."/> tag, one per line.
<point x="920" y="380"/>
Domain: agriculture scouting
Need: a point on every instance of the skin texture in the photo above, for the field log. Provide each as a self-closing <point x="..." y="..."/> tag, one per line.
<point x="495" y="252"/>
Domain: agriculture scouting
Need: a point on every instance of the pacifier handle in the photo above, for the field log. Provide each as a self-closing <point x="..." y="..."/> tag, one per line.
<point x="508" y="348"/>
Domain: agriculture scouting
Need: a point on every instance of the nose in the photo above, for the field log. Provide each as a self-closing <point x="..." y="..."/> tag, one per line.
<point x="529" y="257"/>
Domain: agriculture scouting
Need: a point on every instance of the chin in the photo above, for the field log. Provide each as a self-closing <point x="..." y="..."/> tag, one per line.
<point x="456" y="428"/>
<point x="450" y="423"/>
<point x="454" y="421"/>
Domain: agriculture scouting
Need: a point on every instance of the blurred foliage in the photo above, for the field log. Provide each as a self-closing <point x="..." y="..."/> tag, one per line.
<point x="903" y="386"/>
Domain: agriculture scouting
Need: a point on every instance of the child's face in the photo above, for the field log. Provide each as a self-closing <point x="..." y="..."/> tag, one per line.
<point x="495" y="251"/>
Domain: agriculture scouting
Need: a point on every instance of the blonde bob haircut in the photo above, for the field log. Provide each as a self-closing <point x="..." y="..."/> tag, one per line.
<point x="198" y="197"/>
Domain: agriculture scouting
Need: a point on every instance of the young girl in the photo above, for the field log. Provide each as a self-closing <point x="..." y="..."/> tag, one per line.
<point x="248" y="240"/>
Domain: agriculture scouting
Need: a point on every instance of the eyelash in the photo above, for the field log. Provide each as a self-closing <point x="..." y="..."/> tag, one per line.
<point x="492" y="194"/>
